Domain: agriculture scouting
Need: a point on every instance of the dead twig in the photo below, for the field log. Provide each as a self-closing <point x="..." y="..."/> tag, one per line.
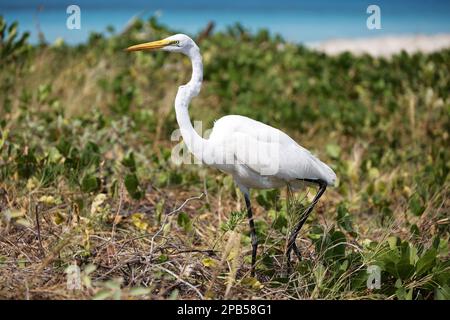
<point x="184" y="203"/>
<point x="207" y="252"/>
<point x="38" y="230"/>
<point x="119" y="208"/>
<point x="181" y="280"/>
<point x="177" y="210"/>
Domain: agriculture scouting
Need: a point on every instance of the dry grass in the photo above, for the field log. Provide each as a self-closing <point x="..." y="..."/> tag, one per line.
<point x="72" y="116"/>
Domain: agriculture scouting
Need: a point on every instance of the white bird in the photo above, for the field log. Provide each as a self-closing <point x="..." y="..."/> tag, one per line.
<point x="255" y="154"/>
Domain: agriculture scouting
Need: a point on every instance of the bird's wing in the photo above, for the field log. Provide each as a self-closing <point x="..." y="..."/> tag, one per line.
<point x="273" y="158"/>
<point x="269" y="151"/>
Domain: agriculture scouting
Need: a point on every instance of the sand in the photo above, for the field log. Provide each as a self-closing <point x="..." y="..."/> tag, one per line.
<point x="385" y="46"/>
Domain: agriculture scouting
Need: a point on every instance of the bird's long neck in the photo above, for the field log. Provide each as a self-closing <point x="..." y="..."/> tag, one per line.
<point x="193" y="140"/>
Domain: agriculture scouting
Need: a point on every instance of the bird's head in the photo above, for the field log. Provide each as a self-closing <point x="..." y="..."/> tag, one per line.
<point x="176" y="43"/>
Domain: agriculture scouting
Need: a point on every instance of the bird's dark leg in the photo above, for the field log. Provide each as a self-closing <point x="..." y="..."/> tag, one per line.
<point x="291" y="242"/>
<point x="297" y="251"/>
<point x="252" y="232"/>
<point x="294" y="246"/>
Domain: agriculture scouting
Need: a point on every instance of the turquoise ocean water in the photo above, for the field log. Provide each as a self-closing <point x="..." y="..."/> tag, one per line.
<point x="295" y="20"/>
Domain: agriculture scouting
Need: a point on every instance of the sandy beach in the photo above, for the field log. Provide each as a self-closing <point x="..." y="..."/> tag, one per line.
<point x="385" y="46"/>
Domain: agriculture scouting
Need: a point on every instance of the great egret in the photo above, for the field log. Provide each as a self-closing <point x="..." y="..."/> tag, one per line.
<point x="255" y="154"/>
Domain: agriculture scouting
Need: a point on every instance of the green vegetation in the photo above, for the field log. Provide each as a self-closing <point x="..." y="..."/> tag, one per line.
<point x="86" y="176"/>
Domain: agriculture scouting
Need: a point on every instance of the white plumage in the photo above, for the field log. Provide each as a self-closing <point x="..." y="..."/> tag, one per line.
<point x="294" y="161"/>
<point x="255" y="154"/>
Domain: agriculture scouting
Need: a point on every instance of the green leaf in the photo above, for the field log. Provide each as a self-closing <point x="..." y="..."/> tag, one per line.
<point x="268" y="198"/>
<point x="426" y="262"/>
<point x="139" y="291"/>
<point x="442" y="293"/>
<point x="129" y="162"/>
<point x="26" y="165"/>
<point x="415" y="205"/>
<point x="208" y="262"/>
<point x="89" y="269"/>
<point x="338" y="242"/>
<point x="436" y="242"/>
<point x="393" y="242"/>
<point x="252" y="283"/>
<point x="64" y="147"/>
<point x="403" y="294"/>
<point x="405" y="266"/>
<point x="184" y="221"/>
<point x="344" y="219"/>
<point x="414" y="230"/>
<point x="333" y="150"/>
<point x="90" y="156"/>
<point x="132" y="186"/>
<point x="359" y="280"/>
<point x="102" y="295"/>
<point x="331" y="244"/>
<point x="279" y="220"/>
<point x="163" y="258"/>
<point x="174" y="294"/>
<point x="90" y="183"/>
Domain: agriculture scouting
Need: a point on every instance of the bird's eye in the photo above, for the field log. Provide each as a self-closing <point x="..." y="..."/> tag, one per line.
<point x="176" y="43"/>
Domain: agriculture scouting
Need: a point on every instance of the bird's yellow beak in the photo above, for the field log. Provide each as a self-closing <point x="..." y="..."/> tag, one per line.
<point x="154" y="45"/>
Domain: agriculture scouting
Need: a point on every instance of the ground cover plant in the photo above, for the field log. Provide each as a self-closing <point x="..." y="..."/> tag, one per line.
<point x="86" y="176"/>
